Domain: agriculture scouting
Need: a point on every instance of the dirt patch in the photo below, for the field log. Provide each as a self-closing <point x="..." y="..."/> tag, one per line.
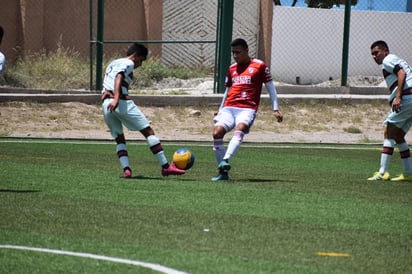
<point x="304" y="123"/>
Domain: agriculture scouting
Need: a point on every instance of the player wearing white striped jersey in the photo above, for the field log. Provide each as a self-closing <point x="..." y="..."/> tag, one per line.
<point x="2" y="57"/>
<point x="398" y="76"/>
<point x="119" y="110"/>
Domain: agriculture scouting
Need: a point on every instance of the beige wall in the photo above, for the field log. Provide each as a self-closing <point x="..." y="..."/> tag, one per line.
<point x="265" y="32"/>
<point x="10" y="20"/>
<point x="35" y="25"/>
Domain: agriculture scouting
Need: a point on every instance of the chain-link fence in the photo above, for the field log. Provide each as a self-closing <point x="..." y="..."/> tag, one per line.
<point x="301" y="45"/>
<point x="307" y="45"/>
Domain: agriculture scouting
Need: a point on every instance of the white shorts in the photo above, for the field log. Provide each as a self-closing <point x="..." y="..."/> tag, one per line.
<point x="229" y="117"/>
<point x="403" y="118"/>
<point x="127" y="114"/>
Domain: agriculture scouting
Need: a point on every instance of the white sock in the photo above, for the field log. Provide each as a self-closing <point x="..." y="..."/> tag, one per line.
<point x="234" y="144"/>
<point x="219" y="149"/>
<point x="122" y="154"/>
<point x="405" y="157"/>
<point x="157" y="149"/>
<point x="386" y="155"/>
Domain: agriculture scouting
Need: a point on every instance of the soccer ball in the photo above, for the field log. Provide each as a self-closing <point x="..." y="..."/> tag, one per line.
<point x="183" y="158"/>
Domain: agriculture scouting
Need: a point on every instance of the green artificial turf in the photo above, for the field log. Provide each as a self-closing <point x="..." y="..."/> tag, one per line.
<point x="286" y="209"/>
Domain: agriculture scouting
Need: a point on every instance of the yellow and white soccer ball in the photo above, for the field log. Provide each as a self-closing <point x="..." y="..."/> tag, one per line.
<point x="183" y="158"/>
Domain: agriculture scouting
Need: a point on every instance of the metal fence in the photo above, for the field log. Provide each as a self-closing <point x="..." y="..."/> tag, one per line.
<point x="182" y="33"/>
<point x="302" y="45"/>
<point x="308" y="44"/>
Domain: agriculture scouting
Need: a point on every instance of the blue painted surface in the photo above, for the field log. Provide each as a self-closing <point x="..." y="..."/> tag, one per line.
<point x="376" y="5"/>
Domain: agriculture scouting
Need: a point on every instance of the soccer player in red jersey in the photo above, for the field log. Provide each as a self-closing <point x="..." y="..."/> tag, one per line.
<point x="240" y="103"/>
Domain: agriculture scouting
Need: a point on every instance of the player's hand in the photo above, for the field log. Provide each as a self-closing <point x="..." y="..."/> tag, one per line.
<point x="112" y="105"/>
<point x="396" y="104"/>
<point x="278" y="115"/>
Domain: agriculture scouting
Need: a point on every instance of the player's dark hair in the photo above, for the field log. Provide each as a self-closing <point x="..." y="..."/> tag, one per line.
<point x="137" y="48"/>
<point x="239" y="42"/>
<point x="380" y="44"/>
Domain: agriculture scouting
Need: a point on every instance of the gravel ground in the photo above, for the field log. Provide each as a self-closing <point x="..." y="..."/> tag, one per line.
<point x="303" y="123"/>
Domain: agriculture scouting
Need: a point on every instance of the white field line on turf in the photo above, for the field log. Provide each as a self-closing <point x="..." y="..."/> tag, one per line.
<point x="155" y="267"/>
<point x="202" y="144"/>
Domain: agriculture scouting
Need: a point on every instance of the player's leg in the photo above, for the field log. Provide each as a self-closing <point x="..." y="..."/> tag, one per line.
<point x="405" y="153"/>
<point x="398" y="124"/>
<point x="236" y="141"/>
<point x="135" y="120"/>
<point x="157" y="150"/>
<point x="244" y="119"/>
<point x="386" y="156"/>
<point x="123" y="156"/>
<point x="218" y="143"/>
<point x="219" y="151"/>
<point x="116" y="130"/>
<point x="224" y="121"/>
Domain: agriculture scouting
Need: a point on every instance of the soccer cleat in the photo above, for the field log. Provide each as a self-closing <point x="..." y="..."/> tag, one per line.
<point x="224" y="166"/>
<point x="224" y="176"/>
<point x="402" y="178"/>
<point x="172" y="170"/>
<point x="127" y="173"/>
<point x="380" y="177"/>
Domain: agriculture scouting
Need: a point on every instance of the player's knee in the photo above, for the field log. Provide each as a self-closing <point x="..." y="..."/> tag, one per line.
<point x="148" y="131"/>
<point x="218" y="132"/>
<point x="120" y="139"/>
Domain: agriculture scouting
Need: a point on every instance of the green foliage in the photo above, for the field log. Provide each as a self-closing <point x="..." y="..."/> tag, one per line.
<point x="153" y="70"/>
<point x="59" y="70"/>
<point x="352" y="129"/>
<point x="282" y="206"/>
<point x="63" y="69"/>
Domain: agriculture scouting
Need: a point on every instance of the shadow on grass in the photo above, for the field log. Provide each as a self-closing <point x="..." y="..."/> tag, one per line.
<point x="141" y="177"/>
<point x="19" y="190"/>
<point x="257" y="180"/>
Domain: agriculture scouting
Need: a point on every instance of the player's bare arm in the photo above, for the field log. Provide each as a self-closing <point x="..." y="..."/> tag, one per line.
<point x="274" y="98"/>
<point x="396" y="104"/>
<point x="117" y="90"/>
<point x="278" y="115"/>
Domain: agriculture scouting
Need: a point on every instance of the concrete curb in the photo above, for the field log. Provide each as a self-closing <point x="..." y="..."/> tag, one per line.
<point x="287" y="95"/>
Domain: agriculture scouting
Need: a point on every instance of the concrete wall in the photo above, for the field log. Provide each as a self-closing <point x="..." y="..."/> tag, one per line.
<point x="44" y="25"/>
<point x="307" y="43"/>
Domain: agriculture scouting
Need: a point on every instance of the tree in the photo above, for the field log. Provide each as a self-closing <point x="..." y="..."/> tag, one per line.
<point x="321" y="4"/>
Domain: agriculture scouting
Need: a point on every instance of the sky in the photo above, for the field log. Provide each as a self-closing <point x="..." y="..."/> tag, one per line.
<point x="378" y="5"/>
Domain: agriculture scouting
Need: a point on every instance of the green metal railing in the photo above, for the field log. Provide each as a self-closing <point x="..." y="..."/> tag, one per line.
<point x="223" y="39"/>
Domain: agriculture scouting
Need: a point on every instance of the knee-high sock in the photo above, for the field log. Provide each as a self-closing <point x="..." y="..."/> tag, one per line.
<point x="234" y="144"/>
<point x="386" y="155"/>
<point x="157" y="149"/>
<point x="405" y="157"/>
<point x="219" y="149"/>
<point x="122" y="154"/>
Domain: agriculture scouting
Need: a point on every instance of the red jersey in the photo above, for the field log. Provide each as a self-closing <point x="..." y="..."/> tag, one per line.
<point x="245" y="83"/>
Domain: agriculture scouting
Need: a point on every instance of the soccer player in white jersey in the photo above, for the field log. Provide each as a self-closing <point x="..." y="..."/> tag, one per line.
<point x="398" y="77"/>
<point x="2" y="58"/>
<point x="119" y="110"/>
<point x="240" y="103"/>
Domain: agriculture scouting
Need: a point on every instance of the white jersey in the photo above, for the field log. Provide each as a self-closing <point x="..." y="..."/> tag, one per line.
<point x="390" y="65"/>
<point x="2" y="62"/>
<point x="122" y="65"/>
